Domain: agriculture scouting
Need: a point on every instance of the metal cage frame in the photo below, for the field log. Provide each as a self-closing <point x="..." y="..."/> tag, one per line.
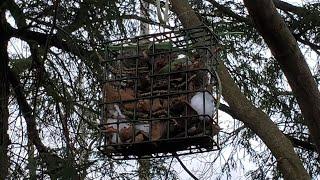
<point x="129" y="62"/>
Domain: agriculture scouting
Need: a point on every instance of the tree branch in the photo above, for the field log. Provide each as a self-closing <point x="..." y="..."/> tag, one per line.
<point x="286" y="51"/>
<point x="54" y="163"/>
<point x="289" y="7"/>
<point x="66" y="45"/>
<point x="296" y="142"/>
<point x="230" y="13"/>
<point x="185" y="168"/>
<point x="310" y="17"/>
<point x="302" y="144"/>
<point x="4" y="99"/>
<point x="288" y="161"/>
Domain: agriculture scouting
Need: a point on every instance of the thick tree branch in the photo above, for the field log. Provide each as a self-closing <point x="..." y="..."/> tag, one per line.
<point x="289" y="7"/>
<point x="286" y="51"/>
<point x="302" y="144"/>
<point x="314" y="47"/>
<point x="227" y="11"/>
<point x="288" y="161"/>
<point x="56" y="40"/>
<point x="301" y="11"/>
<point x="66" y="45"/>
<point x="227" y="110"/>
<point x="296" y="142"/>
<point x="4" y="97"/>
<point x="309" y="17"/>
<point x="54" y="163"/>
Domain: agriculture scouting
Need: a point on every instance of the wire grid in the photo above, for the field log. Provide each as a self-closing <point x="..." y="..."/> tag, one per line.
<point x="151" y="79"/>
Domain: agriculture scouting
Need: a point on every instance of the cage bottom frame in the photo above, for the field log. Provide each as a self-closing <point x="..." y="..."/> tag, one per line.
<point x="205" y="140"/>
<point x="160" y="148"/>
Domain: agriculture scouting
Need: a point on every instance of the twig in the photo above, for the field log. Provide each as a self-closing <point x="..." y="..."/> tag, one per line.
<point x="184" y="167"/>
<point x="168" y="169"/>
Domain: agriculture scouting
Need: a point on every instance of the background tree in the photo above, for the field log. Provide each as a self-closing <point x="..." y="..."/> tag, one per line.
<point x="49" y="60"/>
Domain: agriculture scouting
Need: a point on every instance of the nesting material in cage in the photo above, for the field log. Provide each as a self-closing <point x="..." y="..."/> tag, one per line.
<point x="159" y="95"/>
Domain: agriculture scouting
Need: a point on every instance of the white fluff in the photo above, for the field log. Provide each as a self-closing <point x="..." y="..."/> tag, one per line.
<point x="203" y="99"/>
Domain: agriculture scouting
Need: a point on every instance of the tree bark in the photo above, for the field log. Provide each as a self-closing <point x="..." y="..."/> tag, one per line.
<point x="144" y="169"/>
<point x="286" y="51"/>
<point x="282" y="149"/>
<point x="4" y="95"/>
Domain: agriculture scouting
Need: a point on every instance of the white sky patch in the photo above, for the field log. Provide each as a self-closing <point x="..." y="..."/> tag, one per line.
<point x="10" y="19"/>
<point x="18" y="49"/>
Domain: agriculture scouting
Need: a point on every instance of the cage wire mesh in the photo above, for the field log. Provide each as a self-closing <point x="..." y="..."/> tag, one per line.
<point x="160" y="95"/>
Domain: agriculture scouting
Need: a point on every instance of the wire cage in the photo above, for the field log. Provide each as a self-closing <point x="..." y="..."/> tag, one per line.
<point x="160" y="95"/>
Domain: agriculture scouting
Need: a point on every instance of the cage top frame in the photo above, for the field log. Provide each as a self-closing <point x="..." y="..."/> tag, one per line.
<point x="176" y="40"/>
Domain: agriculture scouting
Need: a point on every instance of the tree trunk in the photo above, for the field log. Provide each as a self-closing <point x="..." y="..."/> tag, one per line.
<point x="288" y="161"/>
<point x="4" y="94"/>
<point x="285" y="49"/>
<point x="144" y="169"/>
<point x="32" y="163"/>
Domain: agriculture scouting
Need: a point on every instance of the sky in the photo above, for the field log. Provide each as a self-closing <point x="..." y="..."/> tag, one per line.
<point x="194" y="162"/>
